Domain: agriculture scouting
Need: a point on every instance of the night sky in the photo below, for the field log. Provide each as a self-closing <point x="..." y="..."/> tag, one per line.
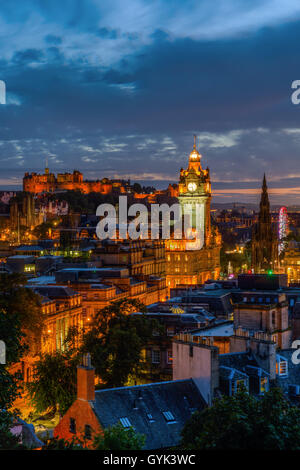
<point x="117" y="88"/>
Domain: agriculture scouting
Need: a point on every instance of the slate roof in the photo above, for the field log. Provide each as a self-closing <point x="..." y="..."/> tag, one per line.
<point x="219" y="300"/>
<point x="296" y="312"/>
<point x="238" y="361"/>
<point x="55" y="292"/>
<point x="29" y="248"/>
<point x="27" y="435"/>
<point x="232" y="374"/>
<point x="180" y="397"/>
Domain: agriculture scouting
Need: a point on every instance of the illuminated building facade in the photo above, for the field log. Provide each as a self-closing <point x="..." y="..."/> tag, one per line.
<point x="282" y="228"/>
<point x="194" y="266"/>
<point x="48" y="182"/>
<point x="291" y="262"/>
<point x="22" y="213"/>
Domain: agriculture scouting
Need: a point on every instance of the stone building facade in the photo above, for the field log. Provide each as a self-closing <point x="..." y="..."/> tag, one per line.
<point x="184" y="263"/>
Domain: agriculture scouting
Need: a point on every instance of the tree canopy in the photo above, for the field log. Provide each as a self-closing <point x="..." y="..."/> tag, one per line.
<point x="116" y="340"/>
<point x="12" y="336"/>
<point x="53" y="386"/>
<point x="245" y="422"/>
<point x="23" y="305"/>
<point x="118" y="438"/>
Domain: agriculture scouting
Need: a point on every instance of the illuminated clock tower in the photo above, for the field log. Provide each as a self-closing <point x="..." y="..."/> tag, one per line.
<point x="186" y="265"/>
<point x="195" y="189"/>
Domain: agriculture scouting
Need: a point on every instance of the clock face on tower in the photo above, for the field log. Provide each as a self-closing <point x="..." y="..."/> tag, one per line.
<point x="192" y="187"/>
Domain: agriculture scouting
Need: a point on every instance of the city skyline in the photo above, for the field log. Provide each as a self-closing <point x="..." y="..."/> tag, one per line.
<point x="122" y="99"/>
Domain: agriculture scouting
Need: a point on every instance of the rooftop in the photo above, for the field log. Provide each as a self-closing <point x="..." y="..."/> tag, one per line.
<point x="157" y="410"/>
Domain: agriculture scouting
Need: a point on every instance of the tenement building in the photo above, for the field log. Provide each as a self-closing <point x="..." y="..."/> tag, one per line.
<point x="184" y="263"/>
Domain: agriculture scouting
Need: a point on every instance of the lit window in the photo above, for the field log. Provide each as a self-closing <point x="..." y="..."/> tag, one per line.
<point x="169" y="357"/>
<point x="264" y="384"/>
<point x="170" y="330"/>
<point x="125" y="422"/>
<point x="155" y="356"/>
<point x="237" y="385"/>
<point x="169" y="417"/>
<point x="281" y="368"/>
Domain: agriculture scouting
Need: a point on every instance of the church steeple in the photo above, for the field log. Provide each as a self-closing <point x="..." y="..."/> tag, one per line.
<point x="264" y="207"/>
<point x="264" y="239"/>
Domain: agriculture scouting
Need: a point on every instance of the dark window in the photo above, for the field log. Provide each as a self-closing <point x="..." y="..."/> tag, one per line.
<point x="155" y="356"/>
<point x="87" y="432"/>
<point x="191" y="351"/>
<point x="273" y="318"/>
<point x="73" y="425"/>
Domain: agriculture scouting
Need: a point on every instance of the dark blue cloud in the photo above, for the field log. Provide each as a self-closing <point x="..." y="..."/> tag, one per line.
<point x="52" y="39"/>
<point x="27" y="56"/>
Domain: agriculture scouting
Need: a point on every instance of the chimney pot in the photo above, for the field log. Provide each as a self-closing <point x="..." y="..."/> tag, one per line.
<point x="86" y="380"/>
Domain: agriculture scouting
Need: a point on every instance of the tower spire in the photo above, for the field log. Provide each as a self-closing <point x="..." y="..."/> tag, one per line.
<point x="46" y="169"/>
<point x="264" y="239"/>
<point x="264" y="185"/>
<point x="194" y="142"/>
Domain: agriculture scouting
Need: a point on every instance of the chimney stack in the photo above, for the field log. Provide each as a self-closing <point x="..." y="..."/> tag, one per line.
<point x="86" y="379"/>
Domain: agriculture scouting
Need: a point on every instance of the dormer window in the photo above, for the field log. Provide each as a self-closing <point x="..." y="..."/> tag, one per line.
<point x="281" y="366"/>
<point x="238" y="385"/>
